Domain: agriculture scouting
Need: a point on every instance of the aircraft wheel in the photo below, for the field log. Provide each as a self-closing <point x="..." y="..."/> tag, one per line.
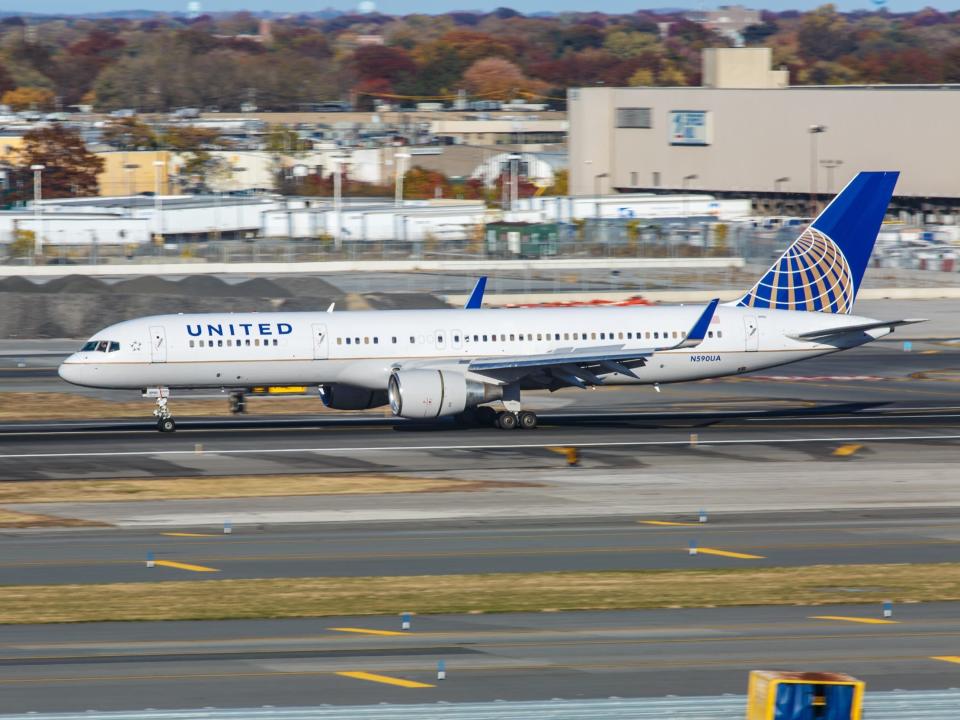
<point x="166" y="425"/>
<point x="527" y="420"/>
<point x="506" y="421"/>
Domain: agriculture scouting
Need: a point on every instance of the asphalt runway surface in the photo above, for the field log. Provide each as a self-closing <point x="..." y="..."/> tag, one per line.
<point x="771" y="540"/>
<point x="126" y="666"/>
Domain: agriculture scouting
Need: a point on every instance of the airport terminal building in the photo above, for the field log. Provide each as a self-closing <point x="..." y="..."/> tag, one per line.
<point x="746" y="133"/>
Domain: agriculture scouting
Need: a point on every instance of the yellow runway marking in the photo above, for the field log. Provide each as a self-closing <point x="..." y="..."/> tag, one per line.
<point x="182" y="534"/>
<point x="185" y="566"/>
<point x="667" y="523"/>
<point x="730" y="554"/>
<point x="385" y="679"/>
<point x="847" y="450"/>
<point x="947" y="658"/>
<point x="365" y="631"/>
<point x="865" y="621"/>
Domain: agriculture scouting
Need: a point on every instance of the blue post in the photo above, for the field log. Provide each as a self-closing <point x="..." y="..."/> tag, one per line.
<point x="405" y="621"/>
<point x="888" y="608"/>
<point x="907" y="346"/>
<point x="150" y="562"/>
<point x="703" y="516"/>
<point x="227" y="527"/>
<point x="693" y="547"/>
<point x="441" y="670"/>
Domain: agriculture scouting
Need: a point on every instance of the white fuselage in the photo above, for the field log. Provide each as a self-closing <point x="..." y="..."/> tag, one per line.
<point x="363" y="348"/>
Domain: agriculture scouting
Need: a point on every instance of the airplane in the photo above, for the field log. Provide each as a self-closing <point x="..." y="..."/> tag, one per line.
<point x="473" y="363"/>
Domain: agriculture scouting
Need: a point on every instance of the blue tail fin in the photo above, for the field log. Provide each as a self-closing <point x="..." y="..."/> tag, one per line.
<point x="823" y="268"/>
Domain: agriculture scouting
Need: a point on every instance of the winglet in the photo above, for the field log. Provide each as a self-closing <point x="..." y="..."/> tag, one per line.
<point x="699" y="330"/>
<point x="476" y="297"/>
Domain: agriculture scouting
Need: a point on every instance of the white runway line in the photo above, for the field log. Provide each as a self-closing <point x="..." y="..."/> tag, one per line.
<point x="491" y="446"/>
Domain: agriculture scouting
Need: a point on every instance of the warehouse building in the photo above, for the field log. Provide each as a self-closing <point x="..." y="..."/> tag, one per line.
<point x="745" y="133"/>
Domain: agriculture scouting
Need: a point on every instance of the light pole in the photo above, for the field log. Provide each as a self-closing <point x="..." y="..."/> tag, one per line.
<point x="686" y="204"/>
<point x="338" y="163"/>
<point x="814" y="130"/>
<point x="399" y="170"/>
<point x="514" y="180"/>
<point x="830" y="165"/>
<point x="37" y="214"/>
<point x="596" y="190"/>
<point x="236" y="170"/>
<point x="158" y="166"/>
<point x="778" y="182"/>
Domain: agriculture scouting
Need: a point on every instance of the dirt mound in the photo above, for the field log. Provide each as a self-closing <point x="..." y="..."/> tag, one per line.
<point x="309" y="287"/>
<point x="260" y="287"/>
<point x="15" y="283"/>
<point x="75" y="284"/>
<point x="147" y="285"/>
<point x="204" y="286"/>
<point x="404" y="301"/>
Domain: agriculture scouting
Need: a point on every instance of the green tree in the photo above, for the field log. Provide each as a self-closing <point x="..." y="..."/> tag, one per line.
<point x="824" y="35"/>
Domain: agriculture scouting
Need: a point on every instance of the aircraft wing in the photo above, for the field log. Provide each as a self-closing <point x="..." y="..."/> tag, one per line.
<point x="582" y="366"/>
<point x="830" y="333"/>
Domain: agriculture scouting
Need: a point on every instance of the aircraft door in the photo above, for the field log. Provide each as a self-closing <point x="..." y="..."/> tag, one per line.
<point x="158" y="344"/>
<point x="321" y="348"/>
<point x="455" y="341"/>
<point x="752" y="333"/>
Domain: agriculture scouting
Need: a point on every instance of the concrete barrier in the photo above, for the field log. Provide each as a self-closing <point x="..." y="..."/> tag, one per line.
<point x="476" y="267"/>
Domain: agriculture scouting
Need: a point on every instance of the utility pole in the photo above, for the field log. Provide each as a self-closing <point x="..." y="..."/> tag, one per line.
<point x="814" y="131"/>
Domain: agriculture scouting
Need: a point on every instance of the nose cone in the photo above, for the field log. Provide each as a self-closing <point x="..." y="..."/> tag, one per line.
<point x="71" y="371"/>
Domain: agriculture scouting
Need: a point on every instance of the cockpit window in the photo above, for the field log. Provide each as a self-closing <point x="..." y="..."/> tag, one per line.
<point x="102" y="346"/>
<point x="114" y="346"/>
<point x="89" y="347"/>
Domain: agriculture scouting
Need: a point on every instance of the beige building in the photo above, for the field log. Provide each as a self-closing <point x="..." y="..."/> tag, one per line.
<point x="764" y="141"/>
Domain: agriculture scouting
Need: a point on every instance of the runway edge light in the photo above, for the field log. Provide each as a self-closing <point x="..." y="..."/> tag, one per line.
<point x="888" y="608"/>
<point x="405" y="621"/>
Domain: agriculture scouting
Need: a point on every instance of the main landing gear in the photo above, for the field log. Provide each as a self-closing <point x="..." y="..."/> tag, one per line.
<point x="525" y="420"/>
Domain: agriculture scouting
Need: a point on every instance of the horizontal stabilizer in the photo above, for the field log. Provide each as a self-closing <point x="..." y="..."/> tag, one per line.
<point x="833" y="332"/>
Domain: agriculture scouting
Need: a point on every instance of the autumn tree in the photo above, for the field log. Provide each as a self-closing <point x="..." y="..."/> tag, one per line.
<point x="130" y="134"/>
<point x="28" y="98"/>
<point x="498" y="79"/>
<point x="70" y="170"/>
<point x="824" y="35"/>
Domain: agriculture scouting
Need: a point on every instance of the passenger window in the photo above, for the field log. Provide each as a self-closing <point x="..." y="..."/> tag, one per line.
<point x="719" y="333"/>
<point x="656" y="336"/>
<point x="339" y="341"/>
<point x="539" y="337"/>
<point x="248" y="342"/>
<point x="191" y="343"/>
<point x="394" y="340"/>
<point x="276" y="342"/>
<point x="556" y="336"/>
<point x="674" y="334"/>
<point x="566" y="336"/>
<point x="229" y="343"/>
<point x="412" y="339"/>
<point x="376" y="340"/>
<point x="366" y="341"/>
<point x="710" y="334"/>
<point x="484" y="338"/>
<point x="219" y="343"/>
<point x="476" y="338"/>
<point x="648" y="334"/>
<point x="513" y="337"/>
<point x="603" y="336"/>
<point x="356" y="341"/>
<point x="593" y="336"/>
<point x="621" y="336"/>
<point x="629" y="336"/>
<point x="348" y="341"/>
<point x="201" y="343"/>
<point x="456" y="338"/>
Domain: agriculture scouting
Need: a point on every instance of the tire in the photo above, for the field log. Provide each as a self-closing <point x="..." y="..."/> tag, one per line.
<point x="506" y="421"/>
<point x="527" y="420"/>
<point x="486" y="416"/>
<point x="167" y="425"/>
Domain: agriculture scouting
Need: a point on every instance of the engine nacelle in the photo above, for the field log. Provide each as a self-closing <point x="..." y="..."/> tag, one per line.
<point x="338" y="396"/>
<point x="419" y="394"/>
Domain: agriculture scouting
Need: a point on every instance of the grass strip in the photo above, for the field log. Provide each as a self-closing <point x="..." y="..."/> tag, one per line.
<point x="68" y="406"/>
<point x="13" y="519"/>
<point x="236" y="486"/>
<point x="521" y="592"/>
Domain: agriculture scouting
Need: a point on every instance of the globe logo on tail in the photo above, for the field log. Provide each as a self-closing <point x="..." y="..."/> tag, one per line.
<point x="813" y="275"/>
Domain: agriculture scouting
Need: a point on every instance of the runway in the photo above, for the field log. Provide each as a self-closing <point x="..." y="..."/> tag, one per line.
<point x="113" y="666"/>
<point x="616" y="543"/>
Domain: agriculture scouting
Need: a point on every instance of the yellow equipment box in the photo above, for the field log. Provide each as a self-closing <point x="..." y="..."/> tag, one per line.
<point x="774" y="695"/>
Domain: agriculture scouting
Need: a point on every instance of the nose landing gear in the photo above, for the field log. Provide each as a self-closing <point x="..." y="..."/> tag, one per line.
<point x="165" y="421"/>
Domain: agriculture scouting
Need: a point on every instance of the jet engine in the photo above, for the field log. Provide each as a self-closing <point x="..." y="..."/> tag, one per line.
<point x="419" y="394"/>
<point x="338" y="396"/>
